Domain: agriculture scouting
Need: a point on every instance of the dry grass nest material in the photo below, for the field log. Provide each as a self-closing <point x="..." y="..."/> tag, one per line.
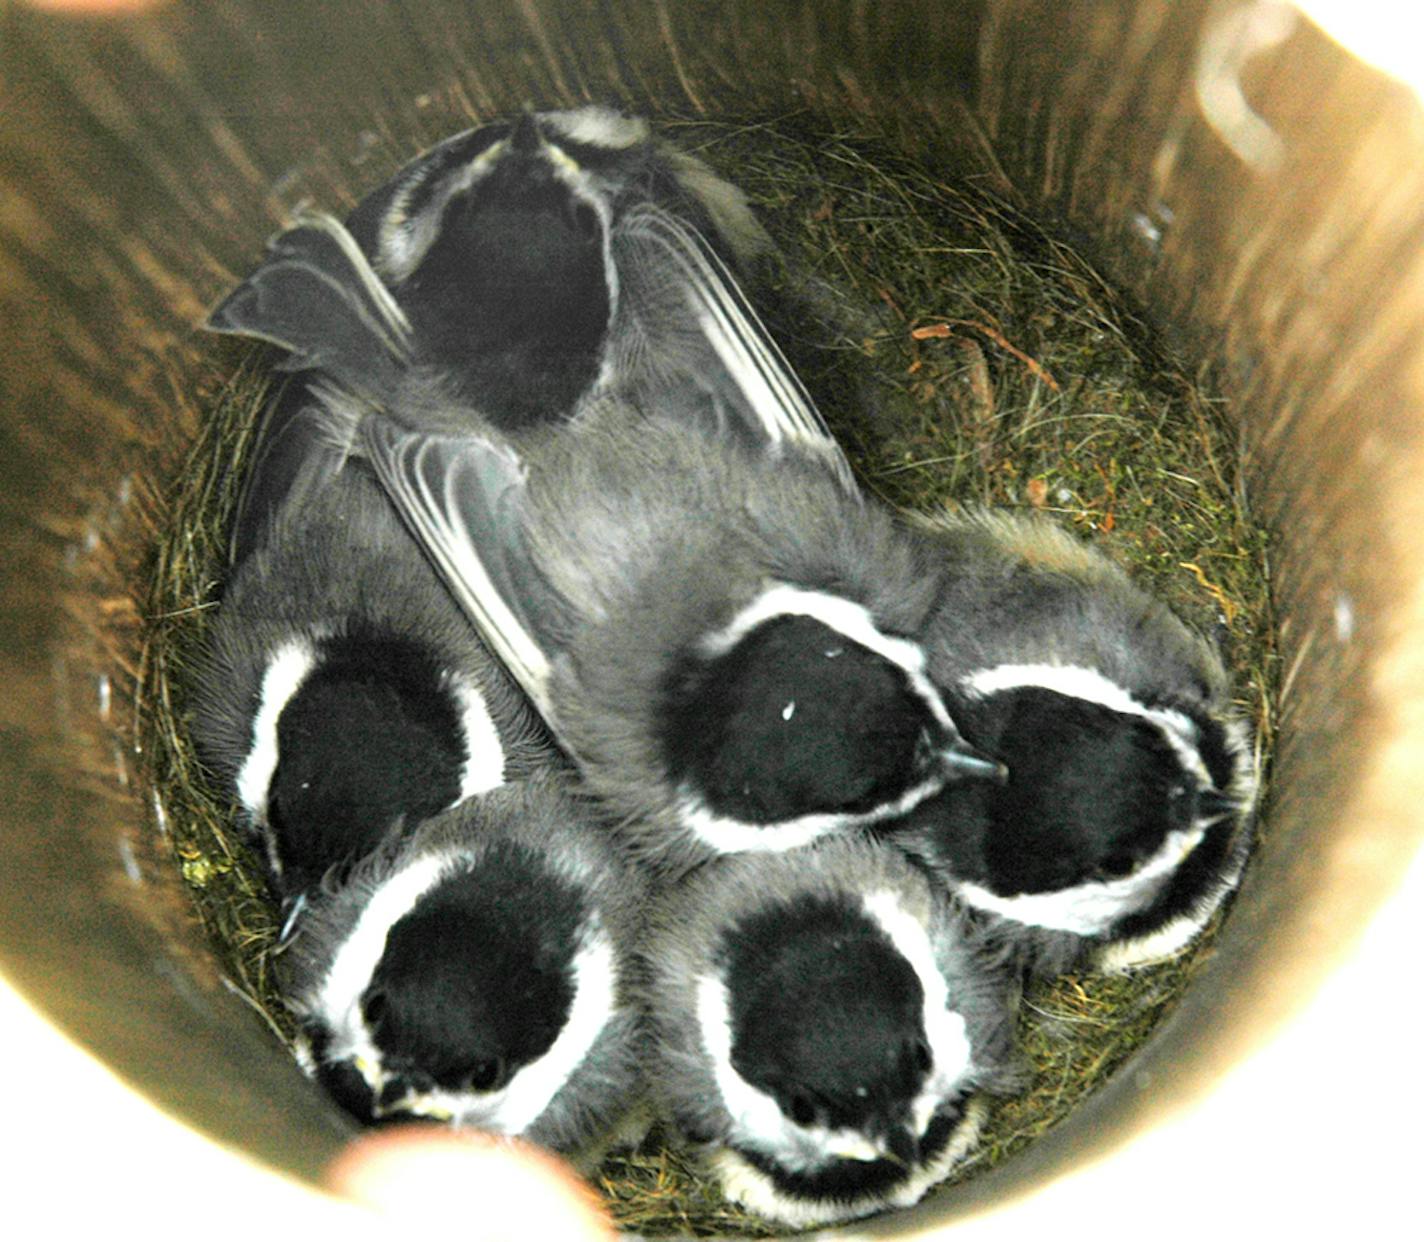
<point x="963" y="354"/>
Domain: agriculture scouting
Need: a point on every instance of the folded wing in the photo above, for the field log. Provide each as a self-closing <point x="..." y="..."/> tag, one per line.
<point x="317" y="296"/>
<point x="670" y="272"/>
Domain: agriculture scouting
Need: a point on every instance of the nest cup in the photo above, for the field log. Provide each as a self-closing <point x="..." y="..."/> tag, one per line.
<point x="1254" y="187"/>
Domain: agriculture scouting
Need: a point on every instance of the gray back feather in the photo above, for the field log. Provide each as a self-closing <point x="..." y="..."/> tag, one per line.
<point x="334" y="554"/>
<point x="1019" y="584"/>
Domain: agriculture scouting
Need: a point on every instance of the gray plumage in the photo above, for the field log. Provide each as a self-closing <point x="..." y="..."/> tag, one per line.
<point x="1126" y="820"/>
<point x="695" y="471"/>
<point x="631" y="561"/>
<point x="549" y="910"/>
<point x="703" y="1031"/>
<point x="523" y="268"/>
<point x="609" y="159"/>
<point x="334" y="631"/>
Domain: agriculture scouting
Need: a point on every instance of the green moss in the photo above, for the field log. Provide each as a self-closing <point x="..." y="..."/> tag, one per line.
<point x="963" y="355"/>
<point x="222" y="872"/>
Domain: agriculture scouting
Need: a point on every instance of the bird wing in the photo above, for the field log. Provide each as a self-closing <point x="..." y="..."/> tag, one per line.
<point x="317" y="296"/>
<point x="753" y="382"/>
<point x="293" y="458"/>
<point x="462" y="497"/>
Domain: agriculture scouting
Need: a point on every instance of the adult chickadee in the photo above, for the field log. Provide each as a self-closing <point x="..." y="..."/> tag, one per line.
<point x="343" y="692"/>
<point x="478" y="972"/>
<point x="490" y="266"/>
<point x="719" y="636"/>
<point x="1125" y="819"/>
<point x="822" y="1022"/>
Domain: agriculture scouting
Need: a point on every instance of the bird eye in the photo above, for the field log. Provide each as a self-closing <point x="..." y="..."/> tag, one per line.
<point x="374" y="1008"/>
<point x="585" y="221"/>
<point x="923" y="1057"/>
<point x="801" y="1110"/>
<point x="486" y="1075"/>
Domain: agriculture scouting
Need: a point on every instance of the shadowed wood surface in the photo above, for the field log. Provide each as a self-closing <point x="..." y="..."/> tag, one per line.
<point x="144" y="161"/>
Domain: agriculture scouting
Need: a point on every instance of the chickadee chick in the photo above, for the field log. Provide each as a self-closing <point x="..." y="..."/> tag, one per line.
<point x="717" y="636"/>
<point x="489" y="268"/>
<point x="711" y="621"/>
<point x="478" y="972"/>
<point x="822" y="1021"/>
<point x="682" y="340"/>
<point x="318" y="297"/>
<point x="343" y="692"/>
<point x="1125" y="820"/>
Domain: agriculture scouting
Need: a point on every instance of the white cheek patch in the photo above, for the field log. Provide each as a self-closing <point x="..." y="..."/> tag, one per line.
<point x="735" y="836"/>
<point x="1245" y="774"/>
<point x="1076" y="682"/>
<point x="742" y="1182"/>
<point x="302" y="1052"/>
<point x="1159" y="946"/>
<point x="835" y="612"/>
<point x="484" y="753"/>
<point x="589" y="192"/>
<point x="1089" y="909"/>
<point x="597" y="126"/>
<point x="337" y="1000"/>
<point x="584" y="189"/>
<point x="757" y="1120"/>
<point x="403" y="239"/>
<point x="1171" y="938"/>
<point x="945" y="1030"/>
<point x="521" y="1101"/>
<point x="289" y="667"/>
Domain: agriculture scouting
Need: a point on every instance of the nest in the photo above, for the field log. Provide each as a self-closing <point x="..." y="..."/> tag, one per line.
<point x="963" y="354"/>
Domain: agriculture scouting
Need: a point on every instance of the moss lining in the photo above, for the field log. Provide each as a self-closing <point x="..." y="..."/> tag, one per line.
<point x="963" y="354"/>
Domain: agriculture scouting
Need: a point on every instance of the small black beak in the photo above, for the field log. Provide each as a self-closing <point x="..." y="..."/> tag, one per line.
<point x="1213" y="804"/>
<point x="526" y="137"/>
<point x="291" y="912"/>
<point x="964" y="762"/>
<point x="903" y="1146"/>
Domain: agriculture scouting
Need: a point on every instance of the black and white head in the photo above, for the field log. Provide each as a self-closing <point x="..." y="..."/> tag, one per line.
<point x="802" y="716"/>
<point x="498" y="246"/>
<point x="537" y="195"/>
<point x="478" y="974"/>
<point x="516" y="270"/>
<point x="495" y="245"/>
<point x="822" y="1024"/>
<point x="1124" y="821"/>
<point x="717" y="637"/>
<point x="342" y="692"/>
